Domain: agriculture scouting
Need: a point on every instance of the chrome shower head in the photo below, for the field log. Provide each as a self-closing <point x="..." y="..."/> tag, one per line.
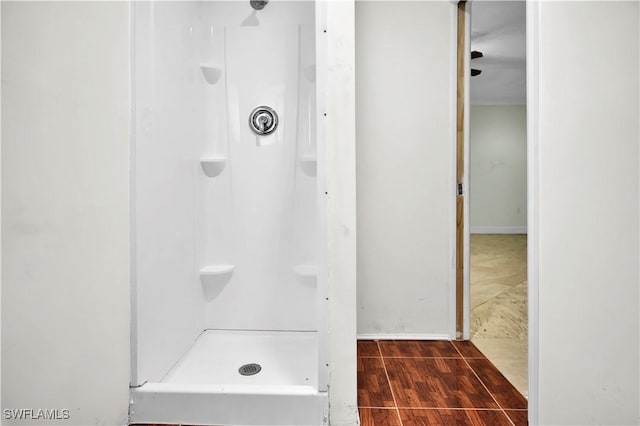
<point x="258" y="4"/>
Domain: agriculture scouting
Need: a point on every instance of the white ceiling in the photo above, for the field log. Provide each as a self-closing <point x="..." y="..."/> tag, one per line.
<point x="498" y="31"/>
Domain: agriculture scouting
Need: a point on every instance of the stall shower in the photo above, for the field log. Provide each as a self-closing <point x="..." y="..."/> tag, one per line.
<point x="229" y="295"/>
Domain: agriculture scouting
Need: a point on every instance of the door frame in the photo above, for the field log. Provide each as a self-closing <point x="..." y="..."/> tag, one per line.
<point x="461" y="160"/>
<point x="533" y="204"/>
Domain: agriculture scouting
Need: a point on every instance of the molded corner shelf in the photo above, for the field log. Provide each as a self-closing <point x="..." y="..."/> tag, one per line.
<point x="214" y="278"/>
<point x="210" y="73"/>
<point x="212" y="166"/>
<point x="215" y="270"/>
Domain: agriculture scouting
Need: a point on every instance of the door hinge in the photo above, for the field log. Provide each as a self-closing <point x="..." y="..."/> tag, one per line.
<point x="460" y="190"/>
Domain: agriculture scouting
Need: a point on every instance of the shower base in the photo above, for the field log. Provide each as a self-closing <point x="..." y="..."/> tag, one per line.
<point x="206" y="387"/>
<point x="286" y="358"/>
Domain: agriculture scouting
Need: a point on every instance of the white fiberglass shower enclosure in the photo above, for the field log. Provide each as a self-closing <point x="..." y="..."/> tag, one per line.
<point x="229" y="291"/>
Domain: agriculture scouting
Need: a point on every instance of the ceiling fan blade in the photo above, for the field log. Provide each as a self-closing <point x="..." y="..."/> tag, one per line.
<point x="475" y="72"/>
<point x="475" y="54"/>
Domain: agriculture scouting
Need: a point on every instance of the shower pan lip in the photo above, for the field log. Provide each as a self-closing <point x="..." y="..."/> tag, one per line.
<point x="226" y="404"/>
<point x="254" y="389"/>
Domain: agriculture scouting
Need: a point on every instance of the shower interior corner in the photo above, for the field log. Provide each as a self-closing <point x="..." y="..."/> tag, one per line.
<point x="228" y="280"/>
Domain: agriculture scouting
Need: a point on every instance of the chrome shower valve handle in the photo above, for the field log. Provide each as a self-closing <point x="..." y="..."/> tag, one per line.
<point x="263" y="120"/>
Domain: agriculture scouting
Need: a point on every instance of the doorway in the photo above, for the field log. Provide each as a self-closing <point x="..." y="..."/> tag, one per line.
<point x="494" y="169"/>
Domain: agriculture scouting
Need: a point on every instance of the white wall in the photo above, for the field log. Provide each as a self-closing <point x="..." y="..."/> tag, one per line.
<point x="65" y="209"/>
<point x="588" y="213"/>
<point x="498" y="169"/>
<point x="404" y="73"/>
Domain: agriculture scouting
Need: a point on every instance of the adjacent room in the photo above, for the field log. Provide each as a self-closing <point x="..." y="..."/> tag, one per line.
<point x="498" y="186"/>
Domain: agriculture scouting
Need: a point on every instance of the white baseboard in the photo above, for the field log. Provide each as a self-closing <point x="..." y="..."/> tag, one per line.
<point x="498" y="229"/>
<point x="403" y="336"/>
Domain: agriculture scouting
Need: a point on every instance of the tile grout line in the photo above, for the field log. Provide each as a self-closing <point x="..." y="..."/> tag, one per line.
<point x="378" y="408"/>
<point x="424" y="357"/>
<point x="444" y="408"/>
<point x="483" y="385"/>
<point x="395" y="403"/>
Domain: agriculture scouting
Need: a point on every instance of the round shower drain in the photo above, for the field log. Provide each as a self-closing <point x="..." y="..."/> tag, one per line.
<point x="249" y="369"/>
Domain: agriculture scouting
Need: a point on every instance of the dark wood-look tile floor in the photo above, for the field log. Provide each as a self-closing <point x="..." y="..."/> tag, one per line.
<point x="411" y="383"/>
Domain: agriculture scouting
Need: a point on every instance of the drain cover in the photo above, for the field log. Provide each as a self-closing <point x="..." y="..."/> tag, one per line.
<point x="249" y="369"/>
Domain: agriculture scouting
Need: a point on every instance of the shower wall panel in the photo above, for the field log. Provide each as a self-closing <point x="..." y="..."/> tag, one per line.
<point x="261" y="217"/>
<point x="168" y="106"/>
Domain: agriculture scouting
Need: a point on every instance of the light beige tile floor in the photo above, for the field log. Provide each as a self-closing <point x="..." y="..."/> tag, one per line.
<point x="499" y="303"/>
